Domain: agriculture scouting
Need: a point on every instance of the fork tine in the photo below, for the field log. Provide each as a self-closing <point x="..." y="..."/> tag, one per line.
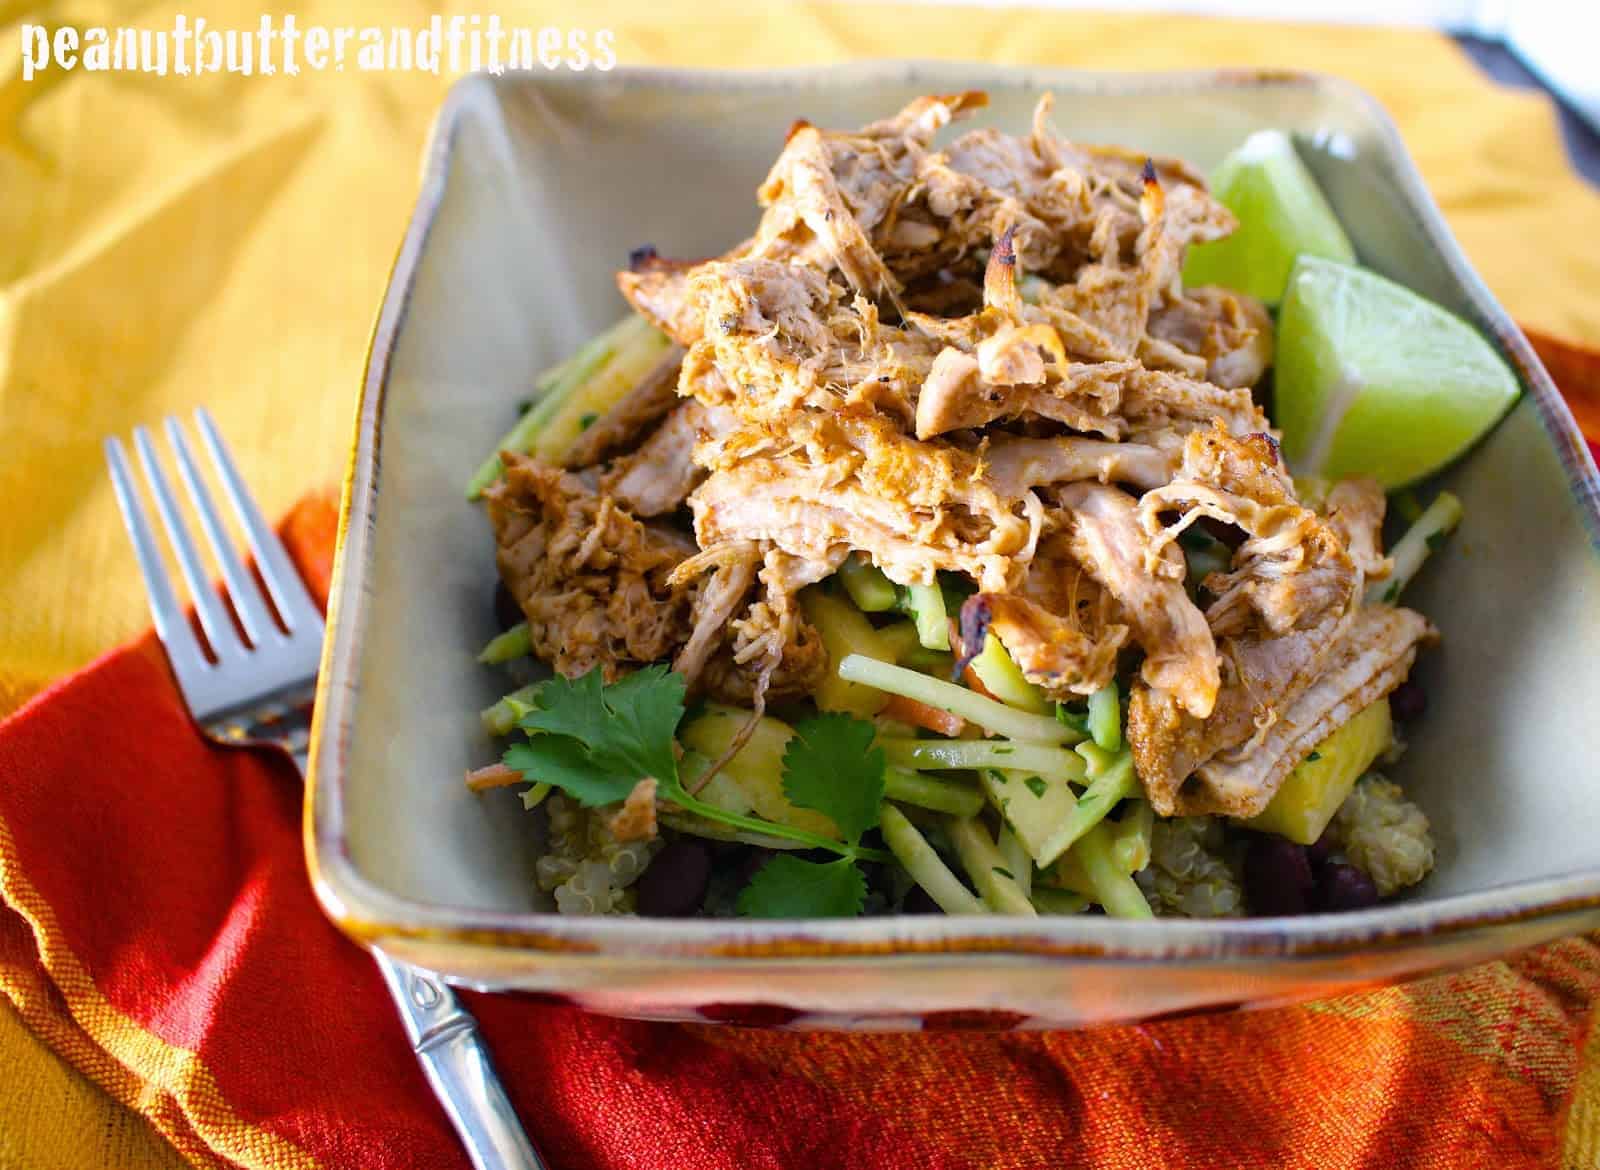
<point x="214" y="619"/>
<point x="288" y="591"/>
<point x="247" y="600"/>
<point x="182" y="649"/>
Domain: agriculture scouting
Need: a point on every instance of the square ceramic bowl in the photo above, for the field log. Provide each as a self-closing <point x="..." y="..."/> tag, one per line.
<point x="534" y="191"/>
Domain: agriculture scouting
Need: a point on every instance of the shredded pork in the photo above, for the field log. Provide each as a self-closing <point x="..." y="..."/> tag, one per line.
<point x="594" y="582"/>
<point x="978" y="359"/>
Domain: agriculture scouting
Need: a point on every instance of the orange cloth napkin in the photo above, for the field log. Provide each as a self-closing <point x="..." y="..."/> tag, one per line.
<point x="159" y="931"/>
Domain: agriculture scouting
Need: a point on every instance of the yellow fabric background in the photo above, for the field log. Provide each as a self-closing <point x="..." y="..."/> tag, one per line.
<point x="166" y="242"/>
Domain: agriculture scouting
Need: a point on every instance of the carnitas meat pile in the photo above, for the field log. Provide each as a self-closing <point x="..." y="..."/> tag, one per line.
<point x="979" y="360"/>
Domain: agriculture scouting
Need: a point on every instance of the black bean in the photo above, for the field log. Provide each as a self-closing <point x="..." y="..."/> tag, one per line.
<point x="1342" y="886"/>
<point x="506" y="610"/>
<point x="1319" y="851"/>
<point x="674" y="883"/>
<point x="751" y="862"/>
<point x="1409" y="702"/>
<point x="1277" y="876"/>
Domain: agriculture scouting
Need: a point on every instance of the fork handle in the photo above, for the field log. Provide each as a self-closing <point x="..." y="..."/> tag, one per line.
<point x="454" y="1058"/>
<point x="445" y="1038"/>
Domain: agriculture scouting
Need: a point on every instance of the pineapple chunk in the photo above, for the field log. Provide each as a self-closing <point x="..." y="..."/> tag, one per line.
<point x="756" y="768"/>
<point x="845" y="631"/>
<point x="1003" y="679"/>
<point x="1319" y="784"/>
<point x="1033" y="805"/>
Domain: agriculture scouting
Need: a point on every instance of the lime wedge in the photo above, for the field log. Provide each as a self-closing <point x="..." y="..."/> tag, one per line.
<point x="1281" y="214"/>
<point x="1372" y="379"/>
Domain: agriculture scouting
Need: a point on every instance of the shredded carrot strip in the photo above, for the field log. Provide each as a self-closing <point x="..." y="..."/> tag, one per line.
<point x="906" y="710"/>
<point x="493" y="776"/>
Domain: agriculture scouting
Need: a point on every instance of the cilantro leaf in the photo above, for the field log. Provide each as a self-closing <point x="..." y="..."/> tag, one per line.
<point x="787" y="887"/>
<point x="648" y="706"/>
<point x="562" y="761"/>
<point x="831" y="766"/>
<point x="569" y="706"/>
<point x="624" y="729"/>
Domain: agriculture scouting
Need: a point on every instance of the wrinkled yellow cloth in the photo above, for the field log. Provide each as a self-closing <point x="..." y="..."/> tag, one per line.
<point x="170" y="242"/>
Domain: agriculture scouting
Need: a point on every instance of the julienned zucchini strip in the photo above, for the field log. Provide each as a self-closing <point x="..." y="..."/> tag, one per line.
<point x="988" y="714"/>
<point x="517" y="642"/>
<point x="932" y="792"/>
<point x="911" y="850"/>
<point x="936" y="755"/>
<point x="1114" y="889"/>
<point x="1105" y="791"/>
<point x="995" y="881"/>
<point x="588" y="383"/>
<point x="1437" y="521"/>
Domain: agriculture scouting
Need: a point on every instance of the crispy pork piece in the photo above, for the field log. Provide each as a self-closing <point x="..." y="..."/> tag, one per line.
<point x="594" y="582"/>
<point x="1117" y="294"/>
<point x="657" y="476"/>
<point x="1118" y="400"/>
<point x="809" y="221"/>
<point x="837" y="200"/>
<point x="773" y="653"/>
<point x="1061" y="628"/>
<point x="1156" y="400"/>
<point x="1011" y="360"/>
<point x="720" y="598"/>
<point x="1283" y="615"/>
<point x="833" y="200"/>
<point x="741" y="652"/>
<point x="1052" y="650"/>
<point x="1259" y="676"/>
<point x="635" y="413"/>
<point x="782" y="338"/>
<point x="658" y="290"/>
<point x="1069" y="204"/>
<point x="884" y="210"/>
<point x="1291" y="570"/>
<point x="1354" y="509"/>
<point x="1105" y="537"/>
<point x="1286" y="602"/>
<point x="1370" y="656"/>
<point x="824" y="485"/>
<point x="1017" y="464"/>
<point x="1083" y="397"/>
<point x="1211" y="334"/>
<point x="636" y="819"/>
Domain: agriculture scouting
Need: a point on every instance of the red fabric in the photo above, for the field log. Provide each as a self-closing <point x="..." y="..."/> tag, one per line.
<point x="161" y="933"/>
<point x="1576" y="369"/>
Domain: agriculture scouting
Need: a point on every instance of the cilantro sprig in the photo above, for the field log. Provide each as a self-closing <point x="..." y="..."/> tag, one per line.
<point x="598" y="741"/>
<point x="831" y="766"/>
<point x="595" y="740"/>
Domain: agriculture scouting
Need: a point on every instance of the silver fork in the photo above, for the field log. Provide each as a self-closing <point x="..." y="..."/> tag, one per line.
<point x="257" y="691"/>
